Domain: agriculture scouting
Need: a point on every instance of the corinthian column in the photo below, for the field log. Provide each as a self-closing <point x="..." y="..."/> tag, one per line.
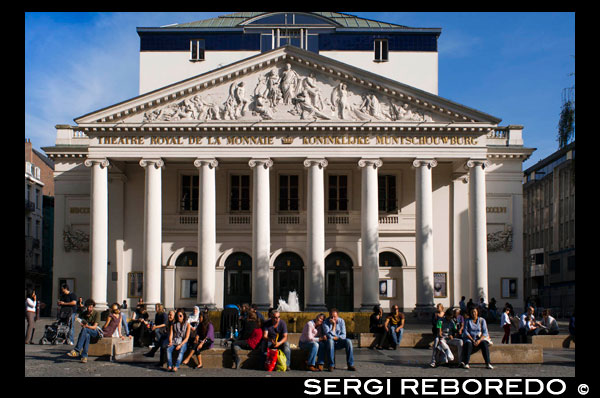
<point x="315" y="235"/>
<point x="261" y="232"/>
<point x="424" y="234"/>
<point x="207" y="232"/>
<point x="152" y="231"/>
<point x="478" y="228"/>
<point x="369" y="221"/>
<point x="99" y="231"/>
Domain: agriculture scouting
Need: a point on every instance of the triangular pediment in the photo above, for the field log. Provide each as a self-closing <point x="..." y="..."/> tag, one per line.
<point x="287" y="84"/>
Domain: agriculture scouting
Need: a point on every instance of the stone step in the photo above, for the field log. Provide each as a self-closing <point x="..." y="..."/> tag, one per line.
<point x="113" y="347"/>
<point x="506" y="353"/>
<point x="552" y="341"/>
<point x="409" y="339"/>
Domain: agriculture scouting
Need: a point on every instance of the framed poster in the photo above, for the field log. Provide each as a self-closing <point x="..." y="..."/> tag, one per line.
<point x="135" y="284"/>
<point x="387" y="288"/>
<point x="189" y="288"/>
<point x="440" y="284"/>
<point x="509" y="287"/>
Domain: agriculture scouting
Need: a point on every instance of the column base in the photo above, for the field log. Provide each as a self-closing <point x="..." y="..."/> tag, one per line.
<point x="316" y="308"/>
<point x="210" y="306"/>
<point x="367" y="307"/>
<point x="263" y="307"/>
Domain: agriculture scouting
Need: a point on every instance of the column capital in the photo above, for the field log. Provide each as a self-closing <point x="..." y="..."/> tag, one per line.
<point x="157" y="163"/>
<point x="212" y="163"/>
<point x="321" y="162"/>
<point x="375" y="163"/>
<point x="430" y="163"/>
<point x="103" y="162"/>
<point x="477" y="162"/>
<point x="266" y="163"/>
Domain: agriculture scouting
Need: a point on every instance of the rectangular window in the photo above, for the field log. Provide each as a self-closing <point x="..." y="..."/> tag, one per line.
<point x="189" y="193"/>
<point x="387" y="193"/>
<point x="135" y="284"/>
<point x="555" y="266"/>
<point x="381" y="50"/>
<point x="197" y="50"/>
<point x="189" y="288"/>
<point x="240" y="193"/>
<point x="338" y="193"/>
<point x="288" y="193"/>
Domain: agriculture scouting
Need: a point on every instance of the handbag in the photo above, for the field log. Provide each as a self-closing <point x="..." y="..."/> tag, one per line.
<point x="281" y="365"/>
<point x="271" y="360"/>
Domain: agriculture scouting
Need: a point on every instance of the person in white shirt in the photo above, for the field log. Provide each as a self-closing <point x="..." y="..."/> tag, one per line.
<point x="527" y="324"/>
<point x="505" y="324"/>
<point x="548" y="324"/>
<point x="30" y="314"/>
<point x="313" y="340"/>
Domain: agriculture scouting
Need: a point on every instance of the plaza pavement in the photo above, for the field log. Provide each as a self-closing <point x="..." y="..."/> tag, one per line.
<point x="52" y="361"/>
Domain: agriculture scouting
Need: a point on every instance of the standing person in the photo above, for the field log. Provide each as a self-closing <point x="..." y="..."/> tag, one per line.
<point x="462" y="304"/>
<point x="250" y="339"/>
<point x="394" y="326"/>
<point x="377" y="326"/>
<point x="475" y="337"/>
<point x="548" y="324"/>
<point x="313" y="340"/>
<point x="334" y="328"/>
<point x="203" y="340"/>
<point x="90" y="331"/>
<point x="275" y="335"/>
<point x="178" y="339"/>
<point x="30" y="314"/>
<point x="68" y="299"/>
<point x="446" y="332"/>
<point x="505" y="324"/>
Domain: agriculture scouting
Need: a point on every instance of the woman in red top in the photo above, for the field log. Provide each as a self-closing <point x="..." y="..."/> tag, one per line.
<point x="250" y="339"/>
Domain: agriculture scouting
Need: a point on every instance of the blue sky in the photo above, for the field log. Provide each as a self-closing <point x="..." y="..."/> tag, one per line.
<point x="510" y="65"/>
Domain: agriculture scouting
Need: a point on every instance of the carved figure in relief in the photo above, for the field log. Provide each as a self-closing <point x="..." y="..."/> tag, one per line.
<point x="371" y="106"/>
<point x="312" y="92"/>
<point x="339" y="101"/>
<point x="288" y="83"/>
<point x="261" y="102"/>
<point x="305" y="109"/>
<point x="273" y="87"/>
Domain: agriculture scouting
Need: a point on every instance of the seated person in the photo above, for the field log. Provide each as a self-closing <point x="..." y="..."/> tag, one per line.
<point x="139" y="327"/>
<point x="160" y="324"/>
<point x="164" y="340"/>
<point x="313" y="340"/>
<point x="394" y="325"/>
<point x="527" y="325"/>
<point x="203" y="339"/>
<point x="275" y="336"/>
<point x="250" y="339"/>
<point x="446" y="332"/>
<point x="334" y="328"/>
<point x="90" y="332"/>
<point x="376" y="326"/>
<point x="475" y="336"/>
<point x="178" y="339"/>
<point x="548" y="324"/>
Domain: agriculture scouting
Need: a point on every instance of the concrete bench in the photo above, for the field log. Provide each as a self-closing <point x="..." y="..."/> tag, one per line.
<point x="112" y="347"/>
<point x="505" y="353"/>
<point x="409" y="339"/>
<point x="552" y="341"/>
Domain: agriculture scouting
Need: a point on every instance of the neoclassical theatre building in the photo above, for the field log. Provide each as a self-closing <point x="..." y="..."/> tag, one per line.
<point x="277" y="152"/>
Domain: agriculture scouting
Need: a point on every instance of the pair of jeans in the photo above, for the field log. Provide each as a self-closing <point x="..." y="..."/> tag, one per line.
<point x="316" y="351"/>
<point x="440" y="343"/>
<point x="72" y="330"/>
<point x="179" y="356"/>
<point x="396" y="333"/>
<point x="469" y="348"/>
<point x="83" y="342"/>
<point x="332" y="345"/>
<point x="124" y="326"/>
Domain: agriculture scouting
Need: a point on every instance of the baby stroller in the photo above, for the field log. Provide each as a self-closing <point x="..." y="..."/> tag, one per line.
<point x="230" y="318"/>
<point x="58" y="332"/>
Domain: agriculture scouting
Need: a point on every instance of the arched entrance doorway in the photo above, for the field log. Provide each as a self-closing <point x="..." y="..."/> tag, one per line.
<point x="238" y="279"/>
<point x="288" y="276"/>
<point x="339" y="282"/>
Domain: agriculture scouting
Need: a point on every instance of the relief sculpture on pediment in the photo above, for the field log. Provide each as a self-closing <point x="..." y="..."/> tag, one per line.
<point x="284" y="93"/>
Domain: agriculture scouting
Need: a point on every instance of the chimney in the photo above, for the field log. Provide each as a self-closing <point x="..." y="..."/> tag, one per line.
<point x="28" y="150"/>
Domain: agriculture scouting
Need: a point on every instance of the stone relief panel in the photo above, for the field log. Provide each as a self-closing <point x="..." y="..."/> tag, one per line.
<point x="289" y="92"/>
<point x="75" y="240"/>
<point x="500" y="240"/>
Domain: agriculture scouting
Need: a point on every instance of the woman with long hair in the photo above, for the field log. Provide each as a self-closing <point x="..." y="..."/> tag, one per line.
<point x="205" y="336"/>
<point x="178" y="339"/>
<point x="475" y="336"/>
<point x="30" y="314"/>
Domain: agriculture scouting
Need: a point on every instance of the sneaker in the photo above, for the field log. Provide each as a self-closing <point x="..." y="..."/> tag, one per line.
<point x="73" y="354"/>
<point x="489" y="366"/>
<point x="83" y="359"/>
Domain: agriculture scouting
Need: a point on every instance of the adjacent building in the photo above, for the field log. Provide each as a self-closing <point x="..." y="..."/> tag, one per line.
<point x="269" y="153"/>
<point x="549" y="231"/>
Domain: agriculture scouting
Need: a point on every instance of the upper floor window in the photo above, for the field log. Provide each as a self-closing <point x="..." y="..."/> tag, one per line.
<point x="239" y="199"/>
<point x="381" y="50"/>
<point x="338" y="193"/>
<point x="197" y="50"/>
<point x="387" y="193"/>
<point x="288" y="193"/>
<point x="189" y="193"/>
